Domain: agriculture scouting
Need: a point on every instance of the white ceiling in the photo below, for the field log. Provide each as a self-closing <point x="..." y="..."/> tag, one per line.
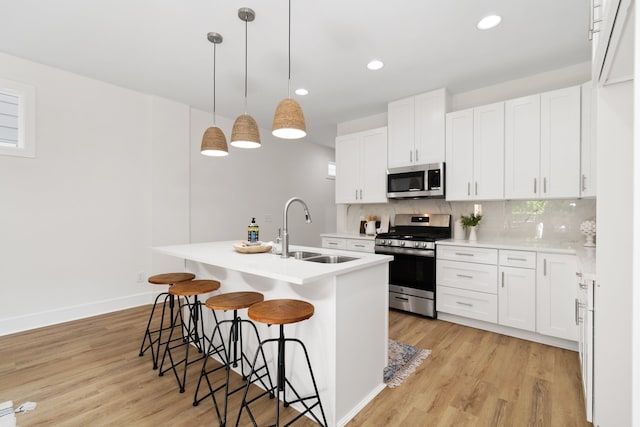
<point x="160" y="47"/>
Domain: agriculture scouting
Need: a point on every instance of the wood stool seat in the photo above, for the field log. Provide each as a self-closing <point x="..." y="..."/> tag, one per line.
<point x="194" y="287"/>
<point x="234" y="300"/>
<point x="281" y="311"/>
<point x="170" y="278"/>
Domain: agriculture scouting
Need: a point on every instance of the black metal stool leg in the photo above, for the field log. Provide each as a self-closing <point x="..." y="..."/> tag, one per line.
<point x="148" y="335"/>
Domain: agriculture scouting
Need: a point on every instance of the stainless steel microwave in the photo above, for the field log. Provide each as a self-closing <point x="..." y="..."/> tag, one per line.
<point x="414" y="182"/>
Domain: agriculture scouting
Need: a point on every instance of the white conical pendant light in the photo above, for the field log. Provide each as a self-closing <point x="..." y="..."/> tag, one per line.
<point x="288" y="120"/>
<point x="214" y="143"/>
<point x="245" y="132"/>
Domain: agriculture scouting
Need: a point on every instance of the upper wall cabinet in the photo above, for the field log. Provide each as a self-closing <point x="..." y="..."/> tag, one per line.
<point x="361" y="161"/>
<point x="542" y="145"/>
<point x="417" y="129"/>
<point x="475" y="153"/>
<point x="588" y="141"/>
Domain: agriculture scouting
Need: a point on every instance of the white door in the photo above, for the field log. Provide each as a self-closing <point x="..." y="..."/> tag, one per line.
<point x="347" y="168"/>
<point x="560" y="143"/>
<point x="517" y="298"/>
<point x="401" y="132"/>
<point x="488" y="152"/>
<point x="522" y="148"/>
<point x="556" y="296"/>
<point x="459" y="154"/>
<point x="373" y="166"/>
<point x="429" y="127"/>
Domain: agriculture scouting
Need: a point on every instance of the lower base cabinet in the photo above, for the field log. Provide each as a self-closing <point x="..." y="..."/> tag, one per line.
<point x="517" y="290"/>
<point x="556" y="307"/>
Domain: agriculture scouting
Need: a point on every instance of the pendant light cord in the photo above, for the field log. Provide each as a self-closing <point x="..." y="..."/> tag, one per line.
<point x="246" y="47"/>
<point x="289" y="82"/>
<point x="214" y="84"/>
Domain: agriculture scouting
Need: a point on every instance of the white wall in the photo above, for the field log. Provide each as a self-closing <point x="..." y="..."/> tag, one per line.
<point x="117" y="172"/>
<point x="227" y="192"/>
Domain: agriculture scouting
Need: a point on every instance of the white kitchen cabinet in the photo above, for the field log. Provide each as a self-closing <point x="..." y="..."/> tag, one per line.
<point x="349" y="244"/>
<point x="417" y="129"/>
<point x="475" y="153"/>
<point x="556" y="296"/>
<point x="613" y="41"/>
<point x="584" y="319"/>
<point x="542" y="145"/>
<point x="361" y="160"/>
<point x="588" y="143"/>
<point x="517" y="290"/>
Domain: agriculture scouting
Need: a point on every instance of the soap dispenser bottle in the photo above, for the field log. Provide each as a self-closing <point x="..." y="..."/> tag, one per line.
<point x="253" y="231"/>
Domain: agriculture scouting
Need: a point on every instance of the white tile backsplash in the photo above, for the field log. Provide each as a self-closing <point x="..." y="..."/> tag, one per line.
<point x="528" y="220"/>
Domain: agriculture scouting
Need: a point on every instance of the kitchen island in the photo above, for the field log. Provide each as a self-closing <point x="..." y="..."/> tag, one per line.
<point x="347" y="335"/>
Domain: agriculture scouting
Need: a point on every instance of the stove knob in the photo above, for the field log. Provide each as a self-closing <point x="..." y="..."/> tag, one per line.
<point x="424" y="244"/>
<point x="416" y="244"/>
<point x="402" y="243"/>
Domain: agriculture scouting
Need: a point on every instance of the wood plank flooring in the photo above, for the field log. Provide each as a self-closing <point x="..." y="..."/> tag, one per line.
<point x="88" y="373"/>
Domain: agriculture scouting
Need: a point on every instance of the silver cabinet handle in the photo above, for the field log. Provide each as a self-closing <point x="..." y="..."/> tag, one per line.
<point x="468" y="188"/>
<point x="361" y="194"/>
<point x="515" y="259"/>
<point x="359" y="246"/>
<point x="575" y="310"/>
<point x="544" y="184"/>
<point x="356" y="194"/>
<point x="535" y="185"/>
<point x="463" y="254"/>
<point x="332" y="243"/>
<point x="464" y="303"/>
<point x="417" y="160"/>
<point x="476" y="188"/>
<point x="464" y="276"/>
<point x="544" y="267"/>
<point x="584" y="180"/>
<point x="410" y="156"/>
<point x="503" y="279"/>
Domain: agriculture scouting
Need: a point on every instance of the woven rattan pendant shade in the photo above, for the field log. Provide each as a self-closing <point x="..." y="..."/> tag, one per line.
<point x="245" y="132"/>
<point x="288" y="121"/>
<point x="214" y="143"/>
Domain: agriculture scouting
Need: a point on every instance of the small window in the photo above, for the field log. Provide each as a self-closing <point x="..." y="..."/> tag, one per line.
<point x="331" y="170"/>
<point x="17" y="119"/>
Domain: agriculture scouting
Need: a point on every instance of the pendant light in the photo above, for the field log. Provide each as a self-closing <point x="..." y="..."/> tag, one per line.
<point x="245" y="132"/>
<point x="288" y="121"/>
<point x="214" y="143"/>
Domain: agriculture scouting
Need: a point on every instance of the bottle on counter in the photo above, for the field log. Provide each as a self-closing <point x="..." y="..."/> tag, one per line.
<point x="253" y="234"/>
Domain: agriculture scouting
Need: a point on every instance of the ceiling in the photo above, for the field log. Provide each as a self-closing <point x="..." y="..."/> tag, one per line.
<point x="160" y="47"/>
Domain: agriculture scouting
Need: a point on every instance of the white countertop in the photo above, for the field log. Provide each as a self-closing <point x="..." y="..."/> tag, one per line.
<point x="518" y="245"/>
<point x="222" y="254"/>
<point x="348" y="236"/>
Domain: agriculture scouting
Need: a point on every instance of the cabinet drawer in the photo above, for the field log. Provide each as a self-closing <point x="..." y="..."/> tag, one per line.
<point x="475" y="305"/>
<point x="522" y="259"/>
<point x="328" y="242"/>
<point x="468" y="254"/>
<point x="467" y="275"/>
<point x="360" y="245"/>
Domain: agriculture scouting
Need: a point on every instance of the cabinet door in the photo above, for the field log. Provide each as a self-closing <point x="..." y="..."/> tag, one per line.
<point x="560" y="143"/>
<point x="347" y="168"/>
<point x="373" y="166"/>
<point x="556" y="296"/>
<point x="516" y="298"/>
<point x="430" y="127"/>
<point x="522" y="148"/>
<point x="588" y="142"/>
<point x="488" y="152"/>
<point x="459" y="154"/>
<point x="401" y="132"/>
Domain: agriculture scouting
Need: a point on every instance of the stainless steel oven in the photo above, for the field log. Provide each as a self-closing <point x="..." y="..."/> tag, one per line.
<point x="412" y="273"/>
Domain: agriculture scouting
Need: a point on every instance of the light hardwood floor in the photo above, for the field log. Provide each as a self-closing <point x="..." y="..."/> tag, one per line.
<point x="88" y="373"/>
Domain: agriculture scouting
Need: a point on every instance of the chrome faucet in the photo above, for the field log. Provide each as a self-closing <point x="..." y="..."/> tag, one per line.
<point x="285" y="221"/>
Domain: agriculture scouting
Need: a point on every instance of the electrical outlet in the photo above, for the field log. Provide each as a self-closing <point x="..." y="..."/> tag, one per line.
<point x="140" y="278"/>
<point x="268" y="218"/>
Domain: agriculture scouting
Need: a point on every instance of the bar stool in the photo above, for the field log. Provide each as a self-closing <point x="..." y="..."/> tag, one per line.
<point x="282" y="312"/>
<point x="161" y="279"/>
<point x="190" y="332"/>
<point x="231" y="301"/>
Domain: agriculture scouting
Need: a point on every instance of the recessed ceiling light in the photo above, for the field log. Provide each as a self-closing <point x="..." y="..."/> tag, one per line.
<point x="489" y="22"/>
<point x="302" y="92"/>
<point x="375" y="65"/>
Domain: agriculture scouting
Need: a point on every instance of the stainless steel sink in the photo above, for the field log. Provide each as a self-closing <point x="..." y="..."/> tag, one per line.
<point x="330" y="259"/>
<point x="303" y="254"/>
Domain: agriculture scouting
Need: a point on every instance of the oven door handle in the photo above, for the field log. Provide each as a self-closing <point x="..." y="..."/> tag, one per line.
<point x="415" y="252"/>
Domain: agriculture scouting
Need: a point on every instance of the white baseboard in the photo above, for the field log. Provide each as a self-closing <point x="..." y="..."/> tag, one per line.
<point x="360" y="406"/>
<point x="40" y="319"/>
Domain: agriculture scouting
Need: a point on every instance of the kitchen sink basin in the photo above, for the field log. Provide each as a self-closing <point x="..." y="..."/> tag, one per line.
<point x="330" y="259"/>
<point x="303" y="254"/>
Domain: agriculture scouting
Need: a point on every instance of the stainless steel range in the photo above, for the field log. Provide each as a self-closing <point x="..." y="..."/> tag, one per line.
<point x="412" y="273"/>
